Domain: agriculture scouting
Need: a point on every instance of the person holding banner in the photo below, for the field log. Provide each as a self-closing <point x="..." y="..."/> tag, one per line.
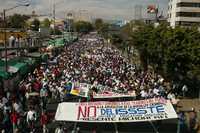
<point x="182" y="127"/>
<point x="193" y="122"/>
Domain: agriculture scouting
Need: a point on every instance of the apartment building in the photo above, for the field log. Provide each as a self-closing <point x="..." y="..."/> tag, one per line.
<point x="184" y="12"/>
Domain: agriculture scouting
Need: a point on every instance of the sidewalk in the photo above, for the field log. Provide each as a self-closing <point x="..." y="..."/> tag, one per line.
<point x="188" y="104"/>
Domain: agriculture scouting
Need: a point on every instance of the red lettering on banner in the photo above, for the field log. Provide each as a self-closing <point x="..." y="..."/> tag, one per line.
<point x="81" y="112"/>
<point x="93" y="111"/>
<point x="86" y="112"/>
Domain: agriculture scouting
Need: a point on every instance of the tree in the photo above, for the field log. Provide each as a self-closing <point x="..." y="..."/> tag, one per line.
<point x="83" y="26"/>
<point x="98" y="24"/>
<point x="172" y="52"/>
<point x="55" y="32"/>
<point x="104" y="30"/>
<point x="35" y="25"/>
<point x="46" y="23"/>
<point x="17" y="21"/>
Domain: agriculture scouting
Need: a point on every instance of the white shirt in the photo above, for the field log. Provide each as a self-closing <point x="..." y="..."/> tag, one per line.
<point x="11" y="39"/>
<point x="171" y="96"/>
<point x="161" y="80"/>
<point x="156" y="91"/>
<point x="8" y="95"/>
<point x="185" y="88"/>
<point x="30" y="115"/>
<point x="1" y="105"/>
<point x="60" y="89"/>
<point x="7" y="108"/>
<point x="4" y="100"/>
<point x="143" y="94"/>
<point x="59" y="130"/>
<point x="27" y="95"/>
<point x="16" y="107"/>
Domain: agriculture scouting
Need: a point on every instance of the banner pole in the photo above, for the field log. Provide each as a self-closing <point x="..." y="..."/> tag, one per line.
<point x="178" y="126"/>
<point x="115" y="125"/>
<point x="75" y="124"/>
<point x="154" y="128"/>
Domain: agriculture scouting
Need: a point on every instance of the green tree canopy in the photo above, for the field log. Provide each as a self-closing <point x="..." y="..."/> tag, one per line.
<point x="35" y="25"/>
<point x="46" y="23"/>
<point x="17" y="21"/>
<point x="172" y="52"/>
<point x="55" y="32"/>
<point x="98" y="24"/>
<point x="83" y="26"/>
<point x="175" y="53"/>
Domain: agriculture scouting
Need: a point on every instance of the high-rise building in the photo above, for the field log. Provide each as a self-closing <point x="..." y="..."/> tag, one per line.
<point x="184" y="12"/>
<point x="69" y="21"/>
<point x="138" y="12"/>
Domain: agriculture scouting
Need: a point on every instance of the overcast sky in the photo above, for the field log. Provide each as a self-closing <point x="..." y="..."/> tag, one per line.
<point x="109" y="9"/>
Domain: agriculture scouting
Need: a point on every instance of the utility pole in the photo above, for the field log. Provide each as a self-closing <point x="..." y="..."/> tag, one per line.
<point x="156" y="13"/>
<point x="5" y="39"/>
<point x="54" y="21"/>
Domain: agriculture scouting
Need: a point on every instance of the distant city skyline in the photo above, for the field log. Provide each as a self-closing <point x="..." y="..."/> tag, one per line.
<point x="106" y="9"/>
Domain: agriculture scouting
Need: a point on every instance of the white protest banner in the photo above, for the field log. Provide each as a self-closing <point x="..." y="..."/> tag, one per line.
<point x="130" y="111"/>
<point x="110" y="94"/>
<point x="104" y="92"/>
<point x="84" y="89"/>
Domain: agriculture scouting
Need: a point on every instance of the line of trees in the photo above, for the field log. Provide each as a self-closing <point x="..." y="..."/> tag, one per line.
<point x="175" y="53"/>
<point x="19" y="21"/>
<point x="83" y="26"/>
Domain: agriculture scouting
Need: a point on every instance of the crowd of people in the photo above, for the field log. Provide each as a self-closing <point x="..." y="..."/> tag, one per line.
<point x="89" y="61"/>
<point x="104" y="68"/>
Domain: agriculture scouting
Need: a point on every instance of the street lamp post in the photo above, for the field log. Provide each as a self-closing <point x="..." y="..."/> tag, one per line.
<point x="5" y="31"/>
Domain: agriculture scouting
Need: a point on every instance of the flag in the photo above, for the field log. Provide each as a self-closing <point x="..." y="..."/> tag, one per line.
<point x="76" y="89"/>
<point x="68" y="87"/>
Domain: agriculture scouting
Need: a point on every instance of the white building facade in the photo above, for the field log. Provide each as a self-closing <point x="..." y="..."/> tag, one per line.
<point x="184" y="12"/>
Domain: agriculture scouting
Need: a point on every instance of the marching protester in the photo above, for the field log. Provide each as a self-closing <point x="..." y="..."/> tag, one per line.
<point x="43" y="96"/>
<point x="14" y="119"/>
<point x="193" y="123"/>
<point x="59" y="129"/>
<point x="44" y="122"/>
<point x="31" y="118"/>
